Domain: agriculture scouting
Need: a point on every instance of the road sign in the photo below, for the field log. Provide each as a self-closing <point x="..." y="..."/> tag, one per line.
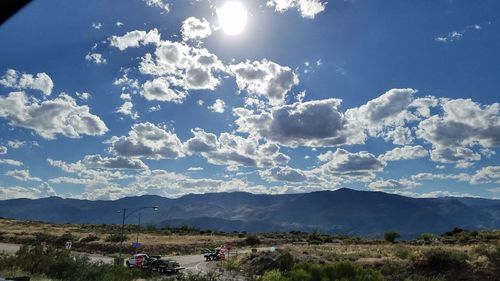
<point x="136" y="245"/>
<point x="68" y="245"/>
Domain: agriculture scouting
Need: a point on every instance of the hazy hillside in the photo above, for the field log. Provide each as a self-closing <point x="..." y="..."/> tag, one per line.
<point x="343" y="211"/>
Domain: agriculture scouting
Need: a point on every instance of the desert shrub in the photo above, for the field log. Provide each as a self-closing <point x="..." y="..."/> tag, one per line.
<point x="285" y="261"/>
<point x="45" y="237"/>
<point x="252" y="240"/>
<point x="334" y="271"/>
<point x="273" y="275"/>
<point x="61" y="265"/>
<point x="439" y="259"/>
<point x="116" y="238"/>
<point x="89" y="238"/>
<point x="65" y="238"/>
<point x="315" y="238"/>
<point x="391" y="236"/>
<point x="426" y="237"/>
<point x="401" y="252"/>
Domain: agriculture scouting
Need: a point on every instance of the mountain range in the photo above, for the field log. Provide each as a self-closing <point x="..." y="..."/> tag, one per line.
<point x="343" y="211"/>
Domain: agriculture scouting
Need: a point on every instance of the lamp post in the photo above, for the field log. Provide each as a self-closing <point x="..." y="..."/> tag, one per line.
<point x="124" y="217"/>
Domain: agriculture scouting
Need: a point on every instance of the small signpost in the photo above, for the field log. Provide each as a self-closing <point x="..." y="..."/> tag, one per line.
<point x="68" y="245"/>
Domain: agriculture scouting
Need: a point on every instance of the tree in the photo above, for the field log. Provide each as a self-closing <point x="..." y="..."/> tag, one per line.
<point x="391" y="236"/>
<point x="252" y="240"/>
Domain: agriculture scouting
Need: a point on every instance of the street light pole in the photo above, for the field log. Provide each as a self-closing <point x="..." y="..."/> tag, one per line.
<point x="138" y="228"/>
<point x="121" y="235"/>
<point x="125" y="216"/>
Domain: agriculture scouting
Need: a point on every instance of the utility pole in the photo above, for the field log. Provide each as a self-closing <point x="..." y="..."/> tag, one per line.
<point x="138" y="228"/>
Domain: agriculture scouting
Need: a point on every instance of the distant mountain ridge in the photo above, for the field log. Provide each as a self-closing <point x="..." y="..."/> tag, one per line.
<point x="343" y="211"/>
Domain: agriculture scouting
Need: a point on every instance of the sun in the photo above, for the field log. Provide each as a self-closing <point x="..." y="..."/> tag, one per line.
<point x="232" y="17"/>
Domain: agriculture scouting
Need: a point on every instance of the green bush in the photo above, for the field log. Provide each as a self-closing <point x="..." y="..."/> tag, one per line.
<point x="334" y="271"/>
<point x="401" y="252"/>
<point x="61" y="265"/>
<point x="426" y="237"/>
<point x="252" y="240"/>
<point x="285" y="261"/>
<point x="439" y="259"/>
<point x="391" y="236"/>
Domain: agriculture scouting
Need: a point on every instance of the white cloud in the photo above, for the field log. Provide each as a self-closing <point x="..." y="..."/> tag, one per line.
<point x="183" y="66"/>
<point x="83" y="96"/>
<point x="51" y="117"/>
<point x="307" y="8"/>
<point x="218" y="106"/>
<point x="233" y="151"/>
<point x="96" y="25"/>
<point x="96" y="58"/>
<point x="313" y="123"/>
<point x="404" y="153"/>
<point x="154" y="108"/>
<point x="392" y="184"/>
<point x="284" y="174"/>
<point x="22" y="175"/>
<point x="195" y="29"/>
<point x="385" y="115"/>
<point x="159" y="89"/>
<point x="342" y="162"/>
<point x="119" y="24"/>
<point x="134" y="39"/>
<point x="486" y="175"/>
<point x="43" y="190"/>
<point x="195" y="169"/>
<point x="127" y="109"/>
<point x="10" y="162"/>
<point x="450" y="37"/>
<point x="149" y="141"/>
<point x="3" y="150"/>
<point x="161" y="4"/>
<point x="22" y="81"/>
<point x="118" y="162"/>
<point x="265" y="78"/>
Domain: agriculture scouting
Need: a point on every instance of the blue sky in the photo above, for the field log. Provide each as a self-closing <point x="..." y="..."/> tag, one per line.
<point x="105" y="99"/>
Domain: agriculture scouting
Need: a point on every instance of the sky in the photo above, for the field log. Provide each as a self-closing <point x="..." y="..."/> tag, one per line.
<point x="107" y="99"/>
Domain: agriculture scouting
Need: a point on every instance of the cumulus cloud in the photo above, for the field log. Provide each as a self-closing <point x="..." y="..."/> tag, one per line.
<point x="96" y="58"/>
<point x="149" y="141"/>
<point x="265" y="78"/>
<point x="405" y="153"/>
<point x="159" y="89"/>
<point x="51" y="117"/>
<point x="22" y="175"/>
<point x="134" y="39"/>
<point x="182" y="66"/>
<point x="161" y="4"/>
<point x="3" y="149"/>
<point x="462" y="125"/>
<point x="234" y="151"/>
<point x="218" y="106"/>
<point x="43" y="190"/>
<point x="342" y="162"/>
<point x="284" y="174"/>
<point x="83" y="96"/>
<point x="118" y="162"/>
<point x="486" y="175"/>
<point x="195" y="29"/>
<point x="307" y="8"/>
<point x="22" y="81"/>
<point x="386" y="115"/>
<point x="313" y="123"/>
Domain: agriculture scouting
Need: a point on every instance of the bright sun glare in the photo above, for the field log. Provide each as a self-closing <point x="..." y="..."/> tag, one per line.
<point x="232" y="17"/>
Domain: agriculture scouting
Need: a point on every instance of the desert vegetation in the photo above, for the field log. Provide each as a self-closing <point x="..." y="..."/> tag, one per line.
<point x="457" y="254"/>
